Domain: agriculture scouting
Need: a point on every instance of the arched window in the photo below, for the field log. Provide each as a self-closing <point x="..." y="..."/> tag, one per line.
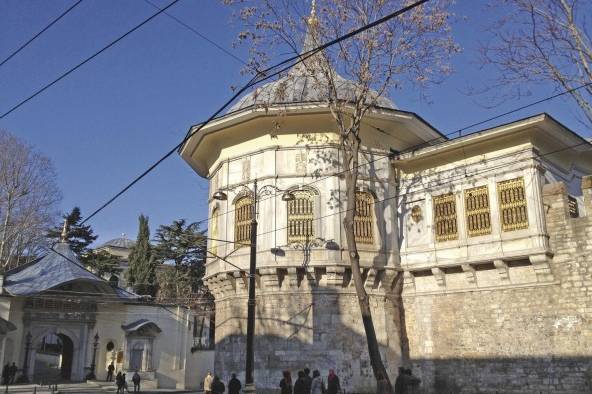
<point x="242" y="221"/>
<point x="214" y="234"/>
<point x="364" y="218"/>
<point x="301" y="216"/>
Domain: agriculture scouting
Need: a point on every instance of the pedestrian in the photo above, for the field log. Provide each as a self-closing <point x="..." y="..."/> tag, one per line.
<point x="400" y="382"/>
<point x="136" y="380"/>
<point x="234" y="385"/>
<point x="12" y="373"/>
<point x="119" y="382"/>
<point x="333" y="386"/>
<point x="412" y="382"/>
<point x="307" y="379"/>
<point x="381" y="384"/>
<point x="6" y="374"/>
<point x="110" y="370"/>
<point x="208" y="383"/>
<point x="286" y="383"/>
<point x="300" y="384"/>
<point x="124" y="381"/>
<point x="317" y="385"/>
<point x="217" y="386"/>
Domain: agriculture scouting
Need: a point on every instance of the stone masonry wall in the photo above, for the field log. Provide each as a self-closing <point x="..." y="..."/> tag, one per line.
<point x="529" y="338"/>
<point x="305" y="320"/>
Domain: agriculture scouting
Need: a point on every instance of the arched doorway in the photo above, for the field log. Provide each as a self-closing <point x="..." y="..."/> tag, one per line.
<point x="53" y="358"/>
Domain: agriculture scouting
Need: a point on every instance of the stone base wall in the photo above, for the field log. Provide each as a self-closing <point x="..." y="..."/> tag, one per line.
<point x="313" y="324"/>
<point x="527" y="338"/>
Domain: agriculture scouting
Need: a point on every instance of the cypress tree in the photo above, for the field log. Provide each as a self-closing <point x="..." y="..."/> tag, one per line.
<point x="142" y="264"/>
<point x="79" y="236"/>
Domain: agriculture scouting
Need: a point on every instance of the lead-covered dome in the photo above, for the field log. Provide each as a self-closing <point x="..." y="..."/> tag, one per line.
<point x="307" y="82"/>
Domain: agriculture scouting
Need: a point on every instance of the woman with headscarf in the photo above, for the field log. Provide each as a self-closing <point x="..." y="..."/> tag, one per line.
<point x="286" y="383"/>
<point x="333" y="386"/>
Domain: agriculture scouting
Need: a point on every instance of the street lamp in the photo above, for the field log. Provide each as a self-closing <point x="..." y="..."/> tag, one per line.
<point x="255" y="194"/>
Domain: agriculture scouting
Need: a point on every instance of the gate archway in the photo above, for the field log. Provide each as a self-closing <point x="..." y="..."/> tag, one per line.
<point x="53" y="358"/>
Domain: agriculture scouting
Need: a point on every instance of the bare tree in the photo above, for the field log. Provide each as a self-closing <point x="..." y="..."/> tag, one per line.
<point x="542" y="41"/>
<point x="411" y="50"/>
<point x="28" y="199"/>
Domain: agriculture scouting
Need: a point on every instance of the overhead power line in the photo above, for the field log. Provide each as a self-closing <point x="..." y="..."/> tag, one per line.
<point x="258" y="78"/>
<point x="53" y="22"/>
<point x="199" y="34"/>
<point x="88" y="59"/>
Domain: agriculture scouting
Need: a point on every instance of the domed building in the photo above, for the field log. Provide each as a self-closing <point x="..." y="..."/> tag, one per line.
<point x="448" y="233"/>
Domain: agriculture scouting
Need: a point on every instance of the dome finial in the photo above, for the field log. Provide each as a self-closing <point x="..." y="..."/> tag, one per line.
<point x="64" y="236"/>
<point x="313" y="13"/>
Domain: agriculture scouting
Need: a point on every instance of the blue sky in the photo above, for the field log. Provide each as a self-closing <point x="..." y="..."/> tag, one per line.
<point x="108" y="121"/>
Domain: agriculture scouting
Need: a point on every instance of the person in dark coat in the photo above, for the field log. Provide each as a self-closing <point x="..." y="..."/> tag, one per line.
<point x="307" y="379"/>
<point x="300" y="384"/>
<point x="217" y="386"/>
<point x="411" y="382"/>
<point x="234" y="385"/>
<point x="136" y="379"/>
<point x="13" y="370"/>
<point x="333" y="386"/>
<point x="119" y="382"/>
<point x="110" y="370"/>
<point x="6" y="374"/>
<point x="286" y="383"/>
<point x="400" y="382"/>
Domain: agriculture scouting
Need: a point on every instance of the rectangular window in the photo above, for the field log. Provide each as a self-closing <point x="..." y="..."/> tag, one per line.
<point x="477" y="211"/>
<point x="573" y="207"/>
<point x="242" y="221"/>
<point x="364" y="218"/>
<point x="512" y="201"/>
<point x="300" y="217"/>
<point x="445" y="217"/>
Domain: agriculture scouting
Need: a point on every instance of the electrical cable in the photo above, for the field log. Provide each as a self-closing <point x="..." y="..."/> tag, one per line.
<point x="53" y="22"/>
<point x="88" y="59"/>
<point x="255" y="80"/>
<point x="200" y="35"/>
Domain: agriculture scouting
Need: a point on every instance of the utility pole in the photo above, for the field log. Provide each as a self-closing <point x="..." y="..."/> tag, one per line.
<point x="249" y="381"/>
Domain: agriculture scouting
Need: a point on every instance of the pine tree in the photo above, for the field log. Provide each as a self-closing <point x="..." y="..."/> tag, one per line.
<point x="79" y="236"/>
<point x="142" y="264"/>
<point x="182" y="247"/>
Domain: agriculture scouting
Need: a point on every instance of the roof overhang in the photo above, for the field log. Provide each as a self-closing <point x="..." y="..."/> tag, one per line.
<point x="197" y="134"/>
<point x="540" y="130"/>
<point x="6" y="326"/>
<point x="142" y="326"/>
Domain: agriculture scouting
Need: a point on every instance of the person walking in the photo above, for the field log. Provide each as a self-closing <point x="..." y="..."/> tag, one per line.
<point x="136" y="379"/>
<point x="208" y="383"/>
<point x="234" y="385"/>
<point x="110" y="370"/>
<point x="217" y="386"/>
<point x="286" y="383"/>
<point x="307" y="380"/>
<point x="119" y="382"/>
<point x="124" y="381"/>
<point x="400" y="382"/>
<point x="12" y="373"/>
<point x="6" y="374"/>
<point x="333" y="386"/>
<point x="300" y="384"/>
<point x="316" y="386"/>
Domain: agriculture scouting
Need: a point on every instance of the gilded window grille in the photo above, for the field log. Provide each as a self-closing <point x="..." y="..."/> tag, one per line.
<point x="364" y="218"/>
<point x="512" y="201"/>
<point x="242" y="221"/>
<point x="445" y="217"/>
<point x="477" y="211"/>
<point x="301" y="217"/>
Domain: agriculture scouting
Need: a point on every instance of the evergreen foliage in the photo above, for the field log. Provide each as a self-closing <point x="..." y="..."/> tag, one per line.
<point x="79" y="236"/>
<point x="142" y="264"/>
<point x="181" y="248"/>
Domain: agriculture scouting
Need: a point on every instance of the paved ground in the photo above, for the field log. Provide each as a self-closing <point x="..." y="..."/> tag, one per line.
<point x="80" y="388"/>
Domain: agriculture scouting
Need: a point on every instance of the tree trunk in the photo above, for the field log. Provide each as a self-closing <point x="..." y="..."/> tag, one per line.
<point x="351" y="178"/>
<point x="4" y="230"/>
